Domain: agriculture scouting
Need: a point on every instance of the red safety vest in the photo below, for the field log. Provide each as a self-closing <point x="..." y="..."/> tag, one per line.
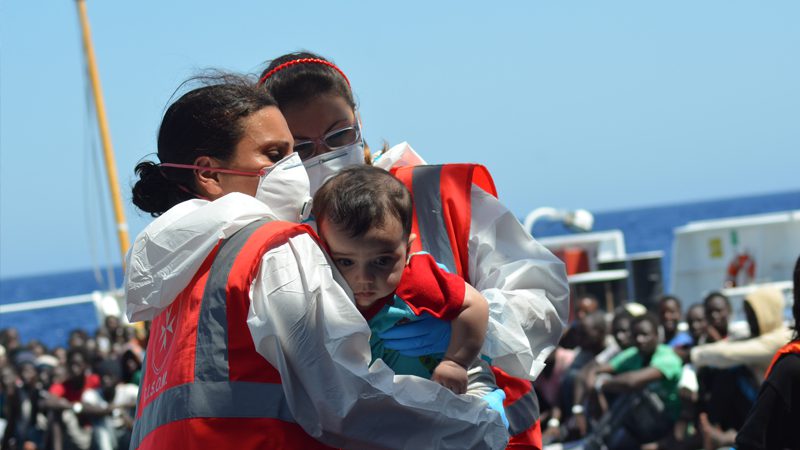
<point x="204" y="384"/>
<point x="442" y="215"/>
<point x="791" y="347"/>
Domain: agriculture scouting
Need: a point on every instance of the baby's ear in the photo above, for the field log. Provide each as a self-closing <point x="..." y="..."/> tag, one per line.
<point x="411" y="238"/>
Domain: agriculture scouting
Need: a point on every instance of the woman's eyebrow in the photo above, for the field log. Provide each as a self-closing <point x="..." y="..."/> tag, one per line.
<point x="276" y="142"/>
<point x="336" y="124"/>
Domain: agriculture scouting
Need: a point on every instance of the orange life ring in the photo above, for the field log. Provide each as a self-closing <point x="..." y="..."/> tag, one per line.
<point x="741" y="263"/>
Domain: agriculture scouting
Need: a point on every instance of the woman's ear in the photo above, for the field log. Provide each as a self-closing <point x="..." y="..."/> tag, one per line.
<point x="207" y="181"/>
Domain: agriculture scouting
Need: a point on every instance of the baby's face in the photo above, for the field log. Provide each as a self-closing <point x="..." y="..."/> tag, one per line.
<point x="371" y="264"/>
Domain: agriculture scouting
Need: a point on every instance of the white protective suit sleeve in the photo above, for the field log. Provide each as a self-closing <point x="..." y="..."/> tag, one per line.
<point x="307" y="327"/>
<point x="525" y="284"/>
<point x="757" y="351"/>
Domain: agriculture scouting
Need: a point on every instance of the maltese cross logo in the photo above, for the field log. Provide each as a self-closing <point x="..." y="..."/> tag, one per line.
<point x="170" y="321"/>
<point x="165" y="329"/>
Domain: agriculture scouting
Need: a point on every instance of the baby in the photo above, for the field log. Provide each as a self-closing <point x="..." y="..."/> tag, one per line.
<point x="364" y="218"/>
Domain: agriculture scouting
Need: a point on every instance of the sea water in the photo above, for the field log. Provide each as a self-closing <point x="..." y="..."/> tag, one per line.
<point x="53" y="325"/>
<point x="645" y="229"/>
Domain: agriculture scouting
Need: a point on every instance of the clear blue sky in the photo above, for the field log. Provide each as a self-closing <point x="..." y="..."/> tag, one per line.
<point x="602" y="105"/>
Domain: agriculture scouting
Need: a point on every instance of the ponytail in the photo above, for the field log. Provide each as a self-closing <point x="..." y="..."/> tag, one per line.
<point x="154" y="193"/>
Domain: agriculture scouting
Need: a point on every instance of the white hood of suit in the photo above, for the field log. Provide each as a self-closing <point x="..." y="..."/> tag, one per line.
<point x="168" y="252"/>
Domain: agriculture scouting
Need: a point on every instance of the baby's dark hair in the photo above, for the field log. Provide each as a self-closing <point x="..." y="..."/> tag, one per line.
<point x="361" y="198"/>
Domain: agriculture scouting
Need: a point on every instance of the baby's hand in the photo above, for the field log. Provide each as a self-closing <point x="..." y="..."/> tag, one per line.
<point x="451" y="375"/>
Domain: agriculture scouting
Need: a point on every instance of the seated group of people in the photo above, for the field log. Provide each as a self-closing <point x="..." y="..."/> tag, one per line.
<point x="634" y="379"/>
<point x="80" y="396"/>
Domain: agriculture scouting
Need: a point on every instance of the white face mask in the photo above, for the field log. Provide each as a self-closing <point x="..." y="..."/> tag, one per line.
<point x="284" y="187"/>
<point x="326" y="165"/>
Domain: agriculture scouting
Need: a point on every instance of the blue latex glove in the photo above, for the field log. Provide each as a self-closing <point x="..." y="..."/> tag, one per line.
<point x="495" y="401"/>
<point x="425" y="336"/>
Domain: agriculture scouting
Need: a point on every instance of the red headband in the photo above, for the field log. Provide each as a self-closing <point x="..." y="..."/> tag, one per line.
<point x="303" y="61"/>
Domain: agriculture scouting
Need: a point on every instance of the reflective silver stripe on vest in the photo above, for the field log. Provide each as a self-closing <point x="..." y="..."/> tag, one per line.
<point x="425" y="182"/>
<point x="523" y="413"/>
<point x="211" y="360"/>
<point x="212" y="399"/>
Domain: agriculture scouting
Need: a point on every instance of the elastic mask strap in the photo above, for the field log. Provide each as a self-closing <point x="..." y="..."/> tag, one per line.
<point x="208" y="169"/>
<point x="215" y="169"/>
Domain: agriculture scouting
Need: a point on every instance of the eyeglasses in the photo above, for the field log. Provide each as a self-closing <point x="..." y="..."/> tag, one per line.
<point x="334" y="140"/>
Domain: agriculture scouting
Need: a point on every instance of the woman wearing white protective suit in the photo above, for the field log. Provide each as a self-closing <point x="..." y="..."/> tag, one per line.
<point x="254" y="343"/>
<point x="457" y="219"/>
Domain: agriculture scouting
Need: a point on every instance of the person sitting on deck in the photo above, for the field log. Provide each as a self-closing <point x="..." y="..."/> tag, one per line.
<point x="584" y="305"/>
<point x="729" y="371"/>
<point x="621" y="323"/>
<point x="696" y="335"/>
<point x="718" y="311"/>
<point x="669" y="315"/>
<point x="592" y="342"/>
<point x="647" y="376"/>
